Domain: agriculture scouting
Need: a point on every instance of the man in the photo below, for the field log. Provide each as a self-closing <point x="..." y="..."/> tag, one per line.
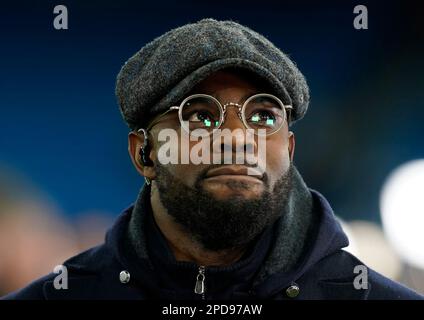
<point x="206" y="230"/>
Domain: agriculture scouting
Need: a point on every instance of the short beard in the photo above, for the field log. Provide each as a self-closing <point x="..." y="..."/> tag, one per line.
<point x="219" y="225"/>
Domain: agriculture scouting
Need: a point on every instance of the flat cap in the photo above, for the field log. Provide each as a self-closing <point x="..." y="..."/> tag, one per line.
<point x="167" y="68"/>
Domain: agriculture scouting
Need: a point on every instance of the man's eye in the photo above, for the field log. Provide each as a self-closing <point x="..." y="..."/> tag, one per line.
<point x="202" y="116"/>
<point x="262" y="117"/>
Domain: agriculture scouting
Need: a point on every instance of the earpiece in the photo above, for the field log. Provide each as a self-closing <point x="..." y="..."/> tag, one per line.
<point x="145" y="150"/>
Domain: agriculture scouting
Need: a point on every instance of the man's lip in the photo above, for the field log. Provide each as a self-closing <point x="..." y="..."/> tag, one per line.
<point x="232" y="170"/>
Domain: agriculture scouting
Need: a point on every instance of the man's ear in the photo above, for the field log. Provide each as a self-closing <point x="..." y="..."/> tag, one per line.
<point x="135" y="143"/>
<point x="292" y="143"/>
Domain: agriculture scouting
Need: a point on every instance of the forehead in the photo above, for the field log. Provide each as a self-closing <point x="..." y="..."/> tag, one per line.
<point x="232" y="78"/>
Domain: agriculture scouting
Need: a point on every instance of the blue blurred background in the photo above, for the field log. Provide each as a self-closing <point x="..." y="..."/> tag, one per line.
<point x="61" y="132"/>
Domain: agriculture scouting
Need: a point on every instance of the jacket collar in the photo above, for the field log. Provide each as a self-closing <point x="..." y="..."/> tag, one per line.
<point x="325" y="239"/>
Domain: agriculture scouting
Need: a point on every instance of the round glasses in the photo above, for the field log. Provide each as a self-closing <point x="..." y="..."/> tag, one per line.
<point x="201" y="111"/>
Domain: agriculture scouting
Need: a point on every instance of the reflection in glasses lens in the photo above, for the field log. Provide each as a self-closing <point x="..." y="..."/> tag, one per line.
<point x="201" y="113"/>
<point x="263" y="112"/>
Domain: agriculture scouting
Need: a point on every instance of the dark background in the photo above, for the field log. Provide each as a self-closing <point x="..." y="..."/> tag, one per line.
<point x="61" y="130"/>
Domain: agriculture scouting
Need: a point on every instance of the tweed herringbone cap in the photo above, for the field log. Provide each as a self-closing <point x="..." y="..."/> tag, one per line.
<point x="167" y="68"/>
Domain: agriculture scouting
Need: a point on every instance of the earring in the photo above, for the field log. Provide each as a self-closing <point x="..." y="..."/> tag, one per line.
<point x="148" y="181"/>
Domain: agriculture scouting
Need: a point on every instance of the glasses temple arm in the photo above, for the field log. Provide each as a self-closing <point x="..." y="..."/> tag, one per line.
<point x="157" y="119"/>
<point x="289" y="108"/>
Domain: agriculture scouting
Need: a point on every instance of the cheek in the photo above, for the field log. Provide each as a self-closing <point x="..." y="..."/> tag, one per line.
<point x="185" y="173"/>
<point x="175" y="154"/>
<point x="277" y="158"/>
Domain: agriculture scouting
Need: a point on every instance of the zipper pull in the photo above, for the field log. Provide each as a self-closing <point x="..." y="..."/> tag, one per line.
<point x="200" y="281"/>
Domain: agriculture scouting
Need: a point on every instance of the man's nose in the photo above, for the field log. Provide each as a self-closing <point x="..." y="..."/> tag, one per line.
<point x="234" y="135"/>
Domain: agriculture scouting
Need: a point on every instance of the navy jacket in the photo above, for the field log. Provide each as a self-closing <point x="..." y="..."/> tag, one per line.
<point x="325" y="271"/>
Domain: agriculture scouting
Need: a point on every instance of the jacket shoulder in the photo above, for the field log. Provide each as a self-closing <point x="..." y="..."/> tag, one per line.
<point x="34" y="291"/>
<point x="341" y="268"/>
<point x="87" y="263"/>
<point x="387" y="289"/>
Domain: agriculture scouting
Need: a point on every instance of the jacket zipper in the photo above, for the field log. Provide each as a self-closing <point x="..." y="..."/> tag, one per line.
<point x="200" y="282"/>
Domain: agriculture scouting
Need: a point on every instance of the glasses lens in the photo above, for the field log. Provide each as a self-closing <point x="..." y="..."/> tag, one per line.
<point x="201" y="113"/>
<point x="264" y="112"/>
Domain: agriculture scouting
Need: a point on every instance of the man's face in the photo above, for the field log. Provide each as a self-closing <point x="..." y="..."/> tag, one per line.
<point x="231" y="87"/>
<point x="225" y="209"/>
